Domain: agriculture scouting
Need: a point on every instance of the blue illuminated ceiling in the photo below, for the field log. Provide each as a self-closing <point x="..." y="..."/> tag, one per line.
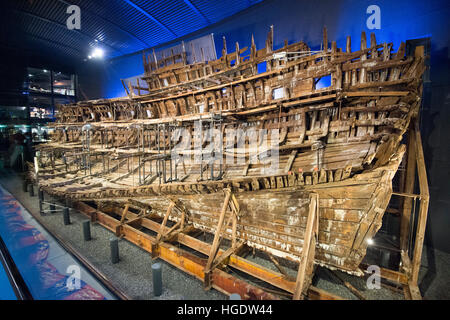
<point x="117" y="26"/>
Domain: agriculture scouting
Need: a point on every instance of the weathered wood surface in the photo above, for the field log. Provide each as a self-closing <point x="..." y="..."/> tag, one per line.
<point x="341" y="142"/>
<point x="275" y="219"/>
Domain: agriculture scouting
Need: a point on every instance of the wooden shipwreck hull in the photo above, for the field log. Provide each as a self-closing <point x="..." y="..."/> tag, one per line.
<point x="341" y="143"/>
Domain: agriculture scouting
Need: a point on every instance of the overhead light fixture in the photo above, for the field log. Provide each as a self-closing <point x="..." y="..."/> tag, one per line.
<point x="370" y="242"/>
<point x="45" y="71"/>
<point x="97" y="53"/>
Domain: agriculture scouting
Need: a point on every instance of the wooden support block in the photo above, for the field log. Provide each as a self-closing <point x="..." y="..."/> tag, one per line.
<point x="325" y="39"/>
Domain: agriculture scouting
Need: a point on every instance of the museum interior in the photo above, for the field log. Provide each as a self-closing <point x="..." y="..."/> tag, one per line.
<point x="224" y="150"/>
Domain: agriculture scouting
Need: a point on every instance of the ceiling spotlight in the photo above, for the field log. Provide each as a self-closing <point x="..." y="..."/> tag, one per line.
<point x="97" y="53"/>
<point x="370" y="242"/>
<point x="45" y="71"/>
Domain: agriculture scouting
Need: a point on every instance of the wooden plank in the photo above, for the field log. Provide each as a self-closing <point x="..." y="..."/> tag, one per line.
<point x="124" y="213"/>
<point x="308" y="245"/>
<point x="409" y="188"/>
<point x="423" y="209"/>
<point x="226" y="255"/>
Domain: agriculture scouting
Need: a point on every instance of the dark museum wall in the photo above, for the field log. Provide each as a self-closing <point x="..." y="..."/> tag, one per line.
<point x="304" y="20"/>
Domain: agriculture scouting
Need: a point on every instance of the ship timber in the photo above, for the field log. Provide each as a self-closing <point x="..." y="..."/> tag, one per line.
<point x="340" y="145"/>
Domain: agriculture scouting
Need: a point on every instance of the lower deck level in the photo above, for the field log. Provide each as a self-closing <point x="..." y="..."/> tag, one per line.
<point x="133" y="275"/>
